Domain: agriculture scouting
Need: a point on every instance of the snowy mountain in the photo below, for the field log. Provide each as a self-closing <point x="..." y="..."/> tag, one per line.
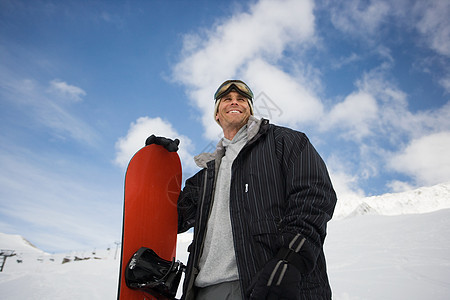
<point x="421" y="200"/>
<point x="18" y="243"/>
<point x="394" y="246"/>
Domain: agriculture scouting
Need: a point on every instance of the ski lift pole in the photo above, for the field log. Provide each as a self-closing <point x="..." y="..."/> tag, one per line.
<point x="3" y="255"/>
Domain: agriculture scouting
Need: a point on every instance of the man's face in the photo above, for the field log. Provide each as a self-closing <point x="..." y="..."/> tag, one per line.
<point x="233" y="112"/>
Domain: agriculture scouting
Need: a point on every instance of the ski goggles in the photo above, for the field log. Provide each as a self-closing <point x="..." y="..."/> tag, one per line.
<point x="230" y="85"/>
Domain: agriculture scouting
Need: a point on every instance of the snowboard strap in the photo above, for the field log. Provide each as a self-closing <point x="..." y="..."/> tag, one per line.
<point x="148" y="272"/>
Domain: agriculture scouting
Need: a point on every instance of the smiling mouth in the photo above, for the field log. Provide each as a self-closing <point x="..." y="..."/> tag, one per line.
<point x="234" y="112"/>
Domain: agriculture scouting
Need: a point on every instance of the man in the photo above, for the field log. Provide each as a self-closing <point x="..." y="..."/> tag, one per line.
<point x="259" y="208"/>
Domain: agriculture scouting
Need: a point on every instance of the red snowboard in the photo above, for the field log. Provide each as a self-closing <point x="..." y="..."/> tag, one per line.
<point x="152" y="186"/>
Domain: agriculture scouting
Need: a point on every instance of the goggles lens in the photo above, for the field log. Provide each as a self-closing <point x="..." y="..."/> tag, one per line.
<point x="228" y="85"/>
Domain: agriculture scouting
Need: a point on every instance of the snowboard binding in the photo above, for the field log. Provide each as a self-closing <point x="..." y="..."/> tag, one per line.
<point x="148" y="272"/>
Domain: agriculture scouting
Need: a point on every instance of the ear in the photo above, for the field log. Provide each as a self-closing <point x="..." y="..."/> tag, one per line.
<point x="217" y="117"/>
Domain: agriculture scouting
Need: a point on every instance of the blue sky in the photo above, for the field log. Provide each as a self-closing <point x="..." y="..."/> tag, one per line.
<point x="83" y="83"/>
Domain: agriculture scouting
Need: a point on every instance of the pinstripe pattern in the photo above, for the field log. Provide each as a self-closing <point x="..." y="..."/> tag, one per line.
<point x="279" y="188"/>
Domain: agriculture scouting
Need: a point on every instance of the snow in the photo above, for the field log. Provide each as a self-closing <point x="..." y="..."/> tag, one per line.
<point x="394" y="246"/>
<point x="422" y="200"/>
<point x="390" y="257"/>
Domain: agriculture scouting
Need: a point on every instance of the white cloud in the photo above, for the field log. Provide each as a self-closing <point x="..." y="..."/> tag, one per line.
<point x="365" y="19"/>
<point x="45" y="109"/>
<point x="445" y="83"/>
<point x="348" y="195"/>
<point x="358" y="17"/>
<point x="398" y="186"/>
<point x="369" y="21"/>
<point x="393" y="118"/>
<point x="376" y="117"/>
<point x="295" y="102"/>
<point x="343" y="61"/>
<point x="65" y="90"/>
<point x="354" y="115"/>
<point x="433" y="23"/>
<point x="426" y="159"/>
<point x="138" y="132"/>
<point x="264" y="32"/>
<point x="345" y="185"/>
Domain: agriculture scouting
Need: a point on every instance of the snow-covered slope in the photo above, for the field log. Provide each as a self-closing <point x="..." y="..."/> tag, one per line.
<point x="17" y="243"/>
<point x="390" y="257"/>
<point x="421" y="200"/>
<point x="392" y="247"/>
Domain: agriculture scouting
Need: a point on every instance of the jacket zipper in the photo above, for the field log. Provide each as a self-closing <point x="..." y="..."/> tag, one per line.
<point x="201" y="209"/>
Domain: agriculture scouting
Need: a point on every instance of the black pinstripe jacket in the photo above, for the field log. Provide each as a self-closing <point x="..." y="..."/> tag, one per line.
<point x="280" y="187"/>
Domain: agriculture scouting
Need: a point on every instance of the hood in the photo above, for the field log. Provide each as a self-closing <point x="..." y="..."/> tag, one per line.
<point x="202" y="159"/>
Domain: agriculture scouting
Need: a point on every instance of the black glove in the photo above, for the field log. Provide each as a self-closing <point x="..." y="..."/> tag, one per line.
<point x="277" y="280"/>
<point x="170" y="145"/>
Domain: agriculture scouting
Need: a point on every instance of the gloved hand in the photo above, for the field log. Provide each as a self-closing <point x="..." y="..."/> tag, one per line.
<point x="277" y="280"/>
<point x="170" y="145"/>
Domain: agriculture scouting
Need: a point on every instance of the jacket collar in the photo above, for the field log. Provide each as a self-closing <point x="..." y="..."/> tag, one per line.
<point x="253" y="126"/>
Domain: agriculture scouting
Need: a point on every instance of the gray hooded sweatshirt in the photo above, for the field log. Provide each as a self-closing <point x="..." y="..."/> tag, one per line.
<point x="218" y="261"/>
